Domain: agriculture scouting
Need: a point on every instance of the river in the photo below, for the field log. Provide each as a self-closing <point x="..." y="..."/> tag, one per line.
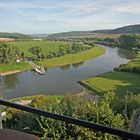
<point x="61" y="80"/>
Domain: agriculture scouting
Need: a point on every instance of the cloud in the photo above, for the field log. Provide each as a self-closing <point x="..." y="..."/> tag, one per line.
<point x="132" y="8"/>
<point x="28" y="5"/>
<point x="60" y="15"/>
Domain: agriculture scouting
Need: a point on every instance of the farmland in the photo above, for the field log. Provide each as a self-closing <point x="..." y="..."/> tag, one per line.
<point x="46" y="46"/>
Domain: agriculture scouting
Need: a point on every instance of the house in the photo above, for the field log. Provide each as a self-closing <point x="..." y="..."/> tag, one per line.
<point x="18" y="59"/>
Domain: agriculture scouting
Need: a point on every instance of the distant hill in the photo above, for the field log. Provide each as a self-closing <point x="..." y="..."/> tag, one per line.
<point x="39" y="35"/>
<point x="105" y="31"/>
<point x="71" y="34"/>
<point x="131" y="29"/>
<point x="14" y="35"/>
<point x="97" y="33"/>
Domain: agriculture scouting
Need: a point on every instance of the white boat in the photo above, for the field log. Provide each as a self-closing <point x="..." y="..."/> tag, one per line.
<point x="39" y="70"/>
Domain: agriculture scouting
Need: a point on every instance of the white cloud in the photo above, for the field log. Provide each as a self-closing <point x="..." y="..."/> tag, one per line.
<point x="47" y="16"/>
<point x="132" y="8"/>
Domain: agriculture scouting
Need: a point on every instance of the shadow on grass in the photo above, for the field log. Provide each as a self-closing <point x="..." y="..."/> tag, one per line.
<point x="129" y="82"/>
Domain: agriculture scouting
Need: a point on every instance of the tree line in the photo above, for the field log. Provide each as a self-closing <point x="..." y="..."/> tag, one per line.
<point x="128" y="41"/>
<point x="62" y="50"/>
<point x="9" y="54"/>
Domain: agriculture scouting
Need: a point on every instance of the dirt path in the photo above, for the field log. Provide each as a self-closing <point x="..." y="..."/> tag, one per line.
<point x="23" y="102"/>
<point x="88" y="95"/>
<point x="31" y="63"/>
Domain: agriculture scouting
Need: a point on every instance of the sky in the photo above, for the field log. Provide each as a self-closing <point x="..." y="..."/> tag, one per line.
<point x="52" y="16"/>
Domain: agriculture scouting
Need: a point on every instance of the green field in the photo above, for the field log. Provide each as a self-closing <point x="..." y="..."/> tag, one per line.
<point x="14" y="66"/>
<point x="47" y="46"/>
<point x="118" y="82"/>
<point x="73" y="58"/>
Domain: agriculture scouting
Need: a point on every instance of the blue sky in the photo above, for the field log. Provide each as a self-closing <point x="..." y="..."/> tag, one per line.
<point x="51" y="16"/>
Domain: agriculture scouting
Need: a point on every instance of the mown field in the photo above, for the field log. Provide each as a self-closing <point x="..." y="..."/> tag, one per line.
<point x="14" y="66"/>
<point x="73" y="58"/>
<point x="118" y="82"/>
<point x="47" y="46"/>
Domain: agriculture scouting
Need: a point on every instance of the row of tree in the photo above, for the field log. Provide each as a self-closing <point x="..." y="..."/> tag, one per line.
<point x="63" y="50"/>
<point x="125" y="68"/>
<point x="125" y="41"/>
<point x="9" y="54"/>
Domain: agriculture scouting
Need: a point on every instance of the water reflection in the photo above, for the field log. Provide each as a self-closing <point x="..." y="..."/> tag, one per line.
<point x="77" y="65"/>
<point x="65" y="67"/>
<point x="126" y="53"/>
<point x="11" y="81"/>
<point x="74" y="65"/>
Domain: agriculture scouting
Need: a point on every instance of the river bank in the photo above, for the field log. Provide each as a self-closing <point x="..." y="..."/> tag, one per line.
<point x="125" y="79"/>
<point x="9" y="72"/>
<point x="60" y="80"/>
<point x="73" y="58"/>
<point x="8" y="69"/>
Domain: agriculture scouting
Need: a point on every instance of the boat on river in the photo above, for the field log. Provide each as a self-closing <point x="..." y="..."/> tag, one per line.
<point x="39" y="70"/>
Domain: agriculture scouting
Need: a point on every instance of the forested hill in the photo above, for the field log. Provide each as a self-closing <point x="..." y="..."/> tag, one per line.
<point x="131" y="29"/>
<point x="122" y="30"/>
<point x="14" y="35"/>
<point x="71" y="34"/>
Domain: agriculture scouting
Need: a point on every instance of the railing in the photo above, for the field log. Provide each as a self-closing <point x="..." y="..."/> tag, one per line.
<point x="97" y="127"/>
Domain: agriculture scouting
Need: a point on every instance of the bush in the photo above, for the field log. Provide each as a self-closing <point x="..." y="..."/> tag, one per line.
<point x="96" y="112"/>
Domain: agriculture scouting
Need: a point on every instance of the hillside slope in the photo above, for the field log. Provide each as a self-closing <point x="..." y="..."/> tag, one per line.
<point x="131" y="29"/>
<point x="14" y="35"/>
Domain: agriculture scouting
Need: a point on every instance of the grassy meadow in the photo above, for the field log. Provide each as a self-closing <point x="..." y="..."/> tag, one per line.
<point x="118" y="82"/>
<point x="47" y="46"/>
<point x="73" y="58"/>
<point x="14" y="66"/>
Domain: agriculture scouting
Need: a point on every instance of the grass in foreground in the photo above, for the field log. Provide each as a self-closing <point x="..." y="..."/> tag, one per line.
<point x="73" y="58"/>
<point x="118" y="82"/>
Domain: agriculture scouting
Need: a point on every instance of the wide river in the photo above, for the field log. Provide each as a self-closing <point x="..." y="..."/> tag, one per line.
<point x="61" y="80"/>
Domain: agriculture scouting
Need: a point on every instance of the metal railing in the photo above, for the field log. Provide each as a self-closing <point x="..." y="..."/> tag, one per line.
<point x="97" y="127"/>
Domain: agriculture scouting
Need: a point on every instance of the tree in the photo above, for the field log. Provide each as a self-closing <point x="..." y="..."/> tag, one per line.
<point x="37" y="51"/>
<point x="22" y="55"/>
<point x="129" y="41"/>
<point x="73" y="106"/>
<point x="8" y="53"/>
